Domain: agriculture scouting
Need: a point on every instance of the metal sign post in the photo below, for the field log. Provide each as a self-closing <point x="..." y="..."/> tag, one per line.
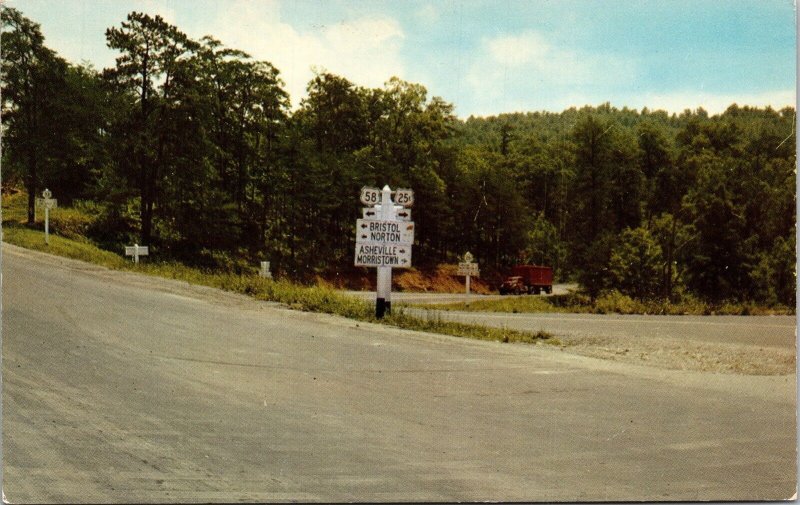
<point x="384" y="238"/>
<point x="47" y="203"/>
<point x="383" y="303"/>
<point x="136" y="250"/>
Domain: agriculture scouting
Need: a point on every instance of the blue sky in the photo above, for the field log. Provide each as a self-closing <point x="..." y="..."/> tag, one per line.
<point x="485" y="57"/>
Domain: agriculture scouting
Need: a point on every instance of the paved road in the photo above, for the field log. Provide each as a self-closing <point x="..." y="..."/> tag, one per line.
<point x="766" y="331"/>
<point x="118" y="387"/>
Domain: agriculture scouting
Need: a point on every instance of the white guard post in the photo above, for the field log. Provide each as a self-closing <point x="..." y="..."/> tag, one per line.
<point x="136" y="250"/>
<point x="265" y="270"/>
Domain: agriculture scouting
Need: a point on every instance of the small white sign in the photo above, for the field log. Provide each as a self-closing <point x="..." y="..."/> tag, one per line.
<point x="383" y="255"/>
<point x="470" y="269"/>
<point x="370" y="196"/>
<point x="404" y="197"/>
<point x="387" y="232"/>
<point x="46" y="203"/>
<point x="370" y="212"/>
<point x="136" y="250"/>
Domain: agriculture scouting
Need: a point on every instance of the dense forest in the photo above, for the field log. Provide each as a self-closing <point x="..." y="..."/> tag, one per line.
<point x="193" y="148"/>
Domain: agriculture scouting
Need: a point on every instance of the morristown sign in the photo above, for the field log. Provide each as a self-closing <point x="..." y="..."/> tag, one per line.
<point x="383" y="255"/>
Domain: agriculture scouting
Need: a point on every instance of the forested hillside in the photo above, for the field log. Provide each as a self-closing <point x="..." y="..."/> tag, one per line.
<point x="193" y="148"/>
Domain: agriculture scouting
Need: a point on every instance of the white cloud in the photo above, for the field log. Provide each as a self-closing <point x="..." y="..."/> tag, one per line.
<point x="365" y="50"/>
<point x="515" y="72"/>
<point x="427" y="14"/>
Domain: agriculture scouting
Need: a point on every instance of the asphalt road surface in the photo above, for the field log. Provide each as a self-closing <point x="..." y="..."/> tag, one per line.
<point x="125" y="388"/>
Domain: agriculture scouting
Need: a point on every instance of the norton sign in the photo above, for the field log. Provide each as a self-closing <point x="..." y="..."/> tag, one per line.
<point x="386" y="232"/>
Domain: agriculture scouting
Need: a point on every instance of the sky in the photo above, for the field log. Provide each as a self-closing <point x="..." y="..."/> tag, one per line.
<point x="485" y="57"/>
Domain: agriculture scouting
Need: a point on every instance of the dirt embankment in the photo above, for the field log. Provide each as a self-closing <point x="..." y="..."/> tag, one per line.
<point x="442" y="279"/>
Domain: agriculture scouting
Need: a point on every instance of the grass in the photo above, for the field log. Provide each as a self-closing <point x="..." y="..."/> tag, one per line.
<point x="611" y="303"/>
<point x="313" y="299"/>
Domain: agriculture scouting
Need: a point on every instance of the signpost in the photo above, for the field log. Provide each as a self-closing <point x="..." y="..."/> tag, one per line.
<point x="47" y="203"/>
<point x="136" y="250"/>
<point x="384" y="238"/>
<point x="468" y="268"/>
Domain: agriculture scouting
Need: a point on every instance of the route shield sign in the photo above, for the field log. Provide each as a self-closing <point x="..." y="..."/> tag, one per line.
<point x="370" y="196"/>
<point x="385" y="232"/>
<point x="404" y="197"/>
<point x="383" y="255"/>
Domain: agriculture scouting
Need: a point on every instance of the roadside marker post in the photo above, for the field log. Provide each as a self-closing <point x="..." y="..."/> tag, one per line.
<point x="136" y="250"/>
<point x="47" y="203"/>
<point x="468" y="268"/>
<point x="264" y="272"/>
<point x="384" y="239"/>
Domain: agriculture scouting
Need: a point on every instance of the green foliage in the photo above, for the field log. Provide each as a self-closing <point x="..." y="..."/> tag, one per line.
<point x="636" y="263"/>
<point x="613" y="302"/>
<point x="191" y="148"/>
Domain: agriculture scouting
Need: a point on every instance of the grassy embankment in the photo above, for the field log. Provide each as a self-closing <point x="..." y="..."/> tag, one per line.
<point x="612" y="303"/>
<point x="314" y="299"/>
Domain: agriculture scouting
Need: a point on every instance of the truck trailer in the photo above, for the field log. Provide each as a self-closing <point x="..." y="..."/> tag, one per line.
<point x="531" y="279"/>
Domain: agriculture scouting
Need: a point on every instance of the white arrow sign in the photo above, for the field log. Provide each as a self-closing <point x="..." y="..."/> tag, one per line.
<point x="383" y="255"/>
<point x="387" y="232"/>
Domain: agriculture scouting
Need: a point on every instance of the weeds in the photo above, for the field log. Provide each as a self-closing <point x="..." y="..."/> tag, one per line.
<point x="311" y="299"/>
<point x="612" y="303"/>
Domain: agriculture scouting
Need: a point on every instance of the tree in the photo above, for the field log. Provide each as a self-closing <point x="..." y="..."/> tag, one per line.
<point x="32" y="76"/>
<point x="151" y="50"/>
<point x="636" y="263"/>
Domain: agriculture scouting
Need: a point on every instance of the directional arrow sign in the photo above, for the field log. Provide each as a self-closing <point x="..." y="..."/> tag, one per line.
<point x="468" y="269"/>
<point x="404" y="215"/>
<point x="370" y="213"/>
<point x="373" y="254"/>
<point x="386" y="232"/>
<point x="46" y="203"/>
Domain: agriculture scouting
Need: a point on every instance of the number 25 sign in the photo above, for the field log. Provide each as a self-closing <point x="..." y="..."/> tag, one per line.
<point x="404" y="197"/>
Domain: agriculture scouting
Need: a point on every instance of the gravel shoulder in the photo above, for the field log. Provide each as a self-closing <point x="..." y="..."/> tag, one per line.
<point x="750" y="345"/>
<point x="674" y="354"/>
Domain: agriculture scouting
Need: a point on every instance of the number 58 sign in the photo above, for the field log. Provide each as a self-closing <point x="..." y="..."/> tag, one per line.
<point x="370" y="196"/>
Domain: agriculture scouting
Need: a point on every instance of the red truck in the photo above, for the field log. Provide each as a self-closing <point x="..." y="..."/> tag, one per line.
<point x="529" y="279"/>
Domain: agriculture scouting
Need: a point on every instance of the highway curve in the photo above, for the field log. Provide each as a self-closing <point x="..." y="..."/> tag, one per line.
<point x="124" y="388"/>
